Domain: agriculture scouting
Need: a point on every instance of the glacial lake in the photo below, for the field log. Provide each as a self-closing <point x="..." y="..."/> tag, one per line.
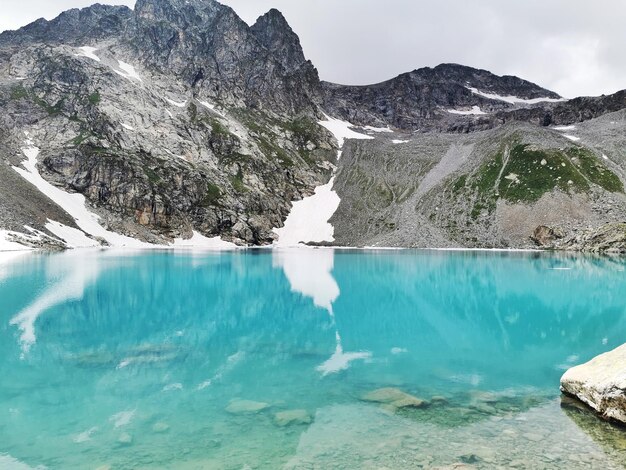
<point x="264" y="359"/>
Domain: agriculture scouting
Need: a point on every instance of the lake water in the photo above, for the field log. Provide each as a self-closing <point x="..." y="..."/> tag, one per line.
<point x="268" y="359"/>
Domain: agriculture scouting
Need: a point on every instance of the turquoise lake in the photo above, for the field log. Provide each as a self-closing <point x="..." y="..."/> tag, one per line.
<point x="264" y="359"/>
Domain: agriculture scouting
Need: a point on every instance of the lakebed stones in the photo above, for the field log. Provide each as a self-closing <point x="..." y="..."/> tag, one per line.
<point x="601" y="384"/>
<point x="125" y="439"/>
<point x="394" y="398"/>
<point x="160" y="427"/>
<point x="238" y="406"/>
<point x="292" y="417"/>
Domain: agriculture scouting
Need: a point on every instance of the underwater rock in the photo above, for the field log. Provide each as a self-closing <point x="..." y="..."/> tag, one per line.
<point x="160" y="427"/>
<point x="125" y="439"/>
<point x="394" y="397"/>
<point x="238" y="406"/>
<point x="601" y="384"/>
<point x="289" y="417"/>
<point x="438" y="400"/>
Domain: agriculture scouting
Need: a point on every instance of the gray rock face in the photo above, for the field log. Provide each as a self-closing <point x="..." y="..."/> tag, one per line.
<point x="183" y="118"/>
<point x="210" y="132"/>
<point x="609" y="238"/>
<point x="601" y="384"/>
<point x="489" y="189"/>
<point x="422" y="99"/>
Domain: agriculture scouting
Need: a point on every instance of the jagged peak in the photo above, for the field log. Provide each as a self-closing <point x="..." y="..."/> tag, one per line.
<point x="274" y="32"/>
<point x="94" y="20"/>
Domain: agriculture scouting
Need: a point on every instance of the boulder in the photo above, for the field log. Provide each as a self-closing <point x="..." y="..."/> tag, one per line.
<point x="238" y="406"/>
<point x="601" y="384"/>
<point x="394" y="397"/>
<point x="546" y="236"/>
<point x="289" y="417"/>
<point x="160" y="427"/>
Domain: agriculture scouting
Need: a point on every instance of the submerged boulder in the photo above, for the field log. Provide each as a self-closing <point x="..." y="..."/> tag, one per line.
<point x="289" y="417"/>
<point x="601" y="384"/>
<point x="394" y="397"/>
<point x="238" y="406"/>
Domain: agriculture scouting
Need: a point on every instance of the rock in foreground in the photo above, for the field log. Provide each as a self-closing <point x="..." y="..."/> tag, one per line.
<point x="601" y="384"/>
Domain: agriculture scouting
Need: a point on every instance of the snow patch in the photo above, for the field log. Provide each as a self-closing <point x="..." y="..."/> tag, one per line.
<point x="128" y="71"/>
<point x="341" y="130"/>
<point x="308" y="219"/>
<point x="200" y="241"/>
<point x="87" y="51"/>
<point x="174" y="155"/>
<point x="211" y="106"/>
<point x="178" y="104"/>
<point x="73" y="204"/>
<point x="474" y="111"/>
<point x="7" y="245"/>
<point x="571" y="137"/>
<point x="514" y="99"/>
<point x="128" y="127"/>
<point x="73" y="238"/>
<point x="564" y="128"/>
<point x="398" y="141"/>
<point x="377" y="129"/>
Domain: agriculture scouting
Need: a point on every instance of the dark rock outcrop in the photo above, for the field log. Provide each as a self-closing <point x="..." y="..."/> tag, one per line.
<point x="545" y="236"/>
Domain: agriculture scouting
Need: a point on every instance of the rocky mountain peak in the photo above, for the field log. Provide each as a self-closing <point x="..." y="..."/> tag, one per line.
<point x="193" y="11"/>
<point x="73" y="26"/>
<point x="273" y="31"/>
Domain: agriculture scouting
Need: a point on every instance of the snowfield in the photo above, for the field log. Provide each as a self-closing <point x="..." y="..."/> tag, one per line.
<point x="308" y="219"/>
<point x="128" y="71"/>
<point x="514" y="99"/>
<point x="87" y="51"/>
<point x="474" y="111"/>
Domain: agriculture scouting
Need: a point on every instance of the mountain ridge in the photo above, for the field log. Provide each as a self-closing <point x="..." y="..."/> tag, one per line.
<point x="177" y="117"/>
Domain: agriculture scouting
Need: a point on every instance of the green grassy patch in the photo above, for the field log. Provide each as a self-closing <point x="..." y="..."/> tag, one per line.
<point x="94" y="98"/>
<point x="529" y="174"/>
<point x="594" y="169"/>
<point x="152" y="175"/>
<point x="80" y="138"/>
<point x="237" y="182"/>
<point x="218" y="128"/>
<point x="273" y="151"/>
<point x="304" y="130"/>
<point x="212" y="196"/>
<point x="18" y="92"/>
<point x="52" y="110"/>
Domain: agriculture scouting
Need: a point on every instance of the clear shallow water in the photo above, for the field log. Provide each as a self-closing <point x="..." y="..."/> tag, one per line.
<point x="119" y="360"/>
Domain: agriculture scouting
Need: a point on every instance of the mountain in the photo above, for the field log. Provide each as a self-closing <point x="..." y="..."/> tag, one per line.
<point x="178" y="120"/>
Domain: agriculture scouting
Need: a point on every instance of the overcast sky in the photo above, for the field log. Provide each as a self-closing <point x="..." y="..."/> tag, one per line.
<point x="574" y="47"/>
